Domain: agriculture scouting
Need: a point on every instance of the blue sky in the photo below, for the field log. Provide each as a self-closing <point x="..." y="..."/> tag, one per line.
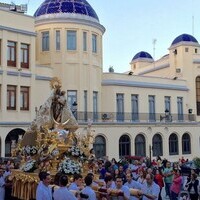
<point x="132" y="25"/>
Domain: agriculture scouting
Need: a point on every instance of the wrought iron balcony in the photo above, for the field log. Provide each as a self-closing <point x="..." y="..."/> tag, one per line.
<point x="113" y="117"/>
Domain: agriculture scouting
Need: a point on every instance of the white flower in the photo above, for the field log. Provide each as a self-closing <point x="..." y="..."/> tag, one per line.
<point x="55" y="152"/>
<point x="69" y="166"/>
<point x="28" y="166"/>
<point x="75" y="151"/>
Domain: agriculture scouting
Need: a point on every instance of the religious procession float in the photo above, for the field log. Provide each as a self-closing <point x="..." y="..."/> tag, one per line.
<point x="52" y="144"/>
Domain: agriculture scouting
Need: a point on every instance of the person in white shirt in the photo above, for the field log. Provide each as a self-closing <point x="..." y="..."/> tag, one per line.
<point x="77" y="183"/>
<point x="122" y="190"/>
<point x="2" y="185"/>
<point x="88" y="191"/>
<point x="63" y="193"/>
<point x="132" y="184"/>
<point x="150" y="190"/>
<point x="43" y="191"/>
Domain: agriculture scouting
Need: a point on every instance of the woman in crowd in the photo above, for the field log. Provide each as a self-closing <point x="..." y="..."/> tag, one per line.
<point x="192" y="187"/>
<point x="142" y="177"/>
<point x="158" y="178"/>
<point x="176" y="184"/>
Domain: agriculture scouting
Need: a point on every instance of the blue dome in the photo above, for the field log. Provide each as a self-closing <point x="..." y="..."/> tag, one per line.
<point x="66" y="6"/>
<point x="142" y="54"/>
<point x="184" y="38"/>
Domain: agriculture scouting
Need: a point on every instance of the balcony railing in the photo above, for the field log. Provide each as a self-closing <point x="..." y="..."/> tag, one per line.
<point x="113" y="117"/>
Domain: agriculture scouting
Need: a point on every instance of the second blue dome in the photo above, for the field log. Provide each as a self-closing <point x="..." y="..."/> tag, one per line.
<point x="66" y="6"/>
<point x="142" y="54"/>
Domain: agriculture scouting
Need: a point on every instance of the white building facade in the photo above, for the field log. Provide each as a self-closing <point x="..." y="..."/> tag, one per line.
<point x="151" y="110"/>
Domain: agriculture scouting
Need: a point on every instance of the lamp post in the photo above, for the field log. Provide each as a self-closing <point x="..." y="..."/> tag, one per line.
<point x="166" y="112"/>
<point x="166" y="117"/>
<point x="150" y="154"/>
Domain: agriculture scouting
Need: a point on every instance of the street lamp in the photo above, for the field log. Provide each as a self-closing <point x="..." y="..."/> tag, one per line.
<point x="167" y="115"/>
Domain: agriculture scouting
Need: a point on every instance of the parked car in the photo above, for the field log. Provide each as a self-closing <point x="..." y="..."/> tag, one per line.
<point x="187" y="166"/>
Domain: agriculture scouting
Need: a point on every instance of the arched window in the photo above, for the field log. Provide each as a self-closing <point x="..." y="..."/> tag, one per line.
<point x="140" y="145"/>
<point x="157" y="145"/>
<point x="173" y="144"/>
<point x="11" y="140"/>
<point x="99" y="146"/>
<point x="198" y="94"/>
<point x="124" y="146"/>
<point x="186" y="144"/>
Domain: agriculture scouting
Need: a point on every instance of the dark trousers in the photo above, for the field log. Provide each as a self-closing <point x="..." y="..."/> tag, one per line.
<point x="167" y="188"/>
<point x="160" y="197"/>
<point x="173" y="196"/>
<point x="194" y="196"/>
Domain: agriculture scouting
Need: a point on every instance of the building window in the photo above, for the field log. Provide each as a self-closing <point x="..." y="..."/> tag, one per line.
<point x="71" y="40"/>
<point x="120" y="107"/>
<point x="168" y="103"/>
<point x="134" y="105"/>
<point x="24" y="56"/>
<point x="196" y="51"/>
<point x="173" y="144"/>
<point x="100" y="147"/>
<point x="186" y="49"/>
<point x="140" y="145"/>
<point x="24" y="98"/>
<point x="85" y="105"/>
<point x="180" y="108"/>
<point x="71" y="97"/>
<point x="11" y="53"/>
<point x="95" y="106"/>
<point x="94" y="43"/>
<point x="157" y="145"/>
<point x="152" y="115"/>
<point x="84" y="41"/>
<point x="198" y="94"/>
<point x="186" y="144"/>
<point x="45" y="41"/>
<point x="57" y="40"/>
<point x="124" y="146"/>
<point x="11" y="97"/>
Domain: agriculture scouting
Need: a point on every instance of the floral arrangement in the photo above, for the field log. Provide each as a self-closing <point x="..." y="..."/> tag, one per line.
<point x="69" y="166"/>
<point x="29" y="166"/>
<point x="29" y="150"/>
<point x="55" y="153"/>
<point x="75" y="151"/>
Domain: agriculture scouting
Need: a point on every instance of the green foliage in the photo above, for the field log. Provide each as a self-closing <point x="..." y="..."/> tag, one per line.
<point x="197" y="161"/>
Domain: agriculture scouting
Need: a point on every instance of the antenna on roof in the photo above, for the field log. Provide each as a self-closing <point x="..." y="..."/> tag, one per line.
<point x="193" y="25"/>
<point x="154" y="49"/>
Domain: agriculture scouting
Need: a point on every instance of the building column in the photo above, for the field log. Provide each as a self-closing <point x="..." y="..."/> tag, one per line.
<point x="3" y="141"/>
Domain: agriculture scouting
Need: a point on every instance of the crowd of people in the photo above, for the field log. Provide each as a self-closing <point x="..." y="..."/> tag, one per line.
<point x="5" y="181"/>
<point x="113" y="180"/>
<point x="123" y="180"/>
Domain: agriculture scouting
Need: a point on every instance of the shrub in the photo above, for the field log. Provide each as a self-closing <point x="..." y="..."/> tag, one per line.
<point x="197" y="161"/>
